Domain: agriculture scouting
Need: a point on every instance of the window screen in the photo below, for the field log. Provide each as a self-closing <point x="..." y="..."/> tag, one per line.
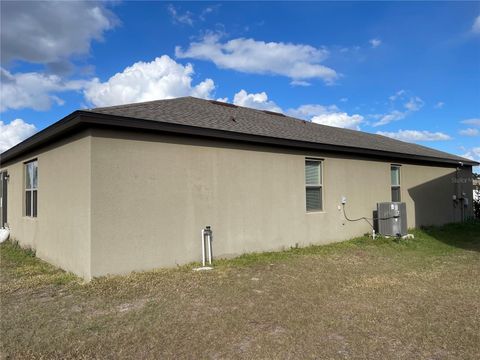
<point x="31" y="184"/>
<point x="395" y="183"/>
<point x="313" y="185"/>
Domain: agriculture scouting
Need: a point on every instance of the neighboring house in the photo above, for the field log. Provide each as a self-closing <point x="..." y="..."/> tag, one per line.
<point x="476" y="189"/>
<point x="130" y="187"/>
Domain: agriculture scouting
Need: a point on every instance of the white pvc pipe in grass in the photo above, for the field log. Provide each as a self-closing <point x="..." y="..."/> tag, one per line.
<point x="4" y="235"/>
<point x="208" y="243"/>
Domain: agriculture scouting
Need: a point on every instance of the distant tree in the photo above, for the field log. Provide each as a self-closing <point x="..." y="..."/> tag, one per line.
<point x="476" y="197"/>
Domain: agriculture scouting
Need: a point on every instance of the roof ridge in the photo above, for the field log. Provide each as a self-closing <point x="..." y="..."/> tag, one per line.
<point x="209" y="113"/>
<point x="141" y="103"/>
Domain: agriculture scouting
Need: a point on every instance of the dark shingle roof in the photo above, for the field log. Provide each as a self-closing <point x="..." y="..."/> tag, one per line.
<point x="227" y="117"/>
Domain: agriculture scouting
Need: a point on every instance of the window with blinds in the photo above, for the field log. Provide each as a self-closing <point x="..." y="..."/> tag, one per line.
<point x="395" y="180"/>
<point x="31" y="184"/>
<point x="313" y="185"/>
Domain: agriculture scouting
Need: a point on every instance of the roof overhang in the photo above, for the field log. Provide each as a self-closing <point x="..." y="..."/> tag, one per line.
<point x="86" y="119"/>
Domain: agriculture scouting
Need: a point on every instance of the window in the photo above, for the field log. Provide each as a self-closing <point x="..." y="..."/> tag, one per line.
<point x="313" y="184"/>
<point x="31" y="183"/>
<point x="395" y="178"/>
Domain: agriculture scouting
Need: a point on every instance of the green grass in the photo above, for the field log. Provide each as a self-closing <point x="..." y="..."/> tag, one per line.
<point x="21" y="267"/>
<point x="363" y="298"/>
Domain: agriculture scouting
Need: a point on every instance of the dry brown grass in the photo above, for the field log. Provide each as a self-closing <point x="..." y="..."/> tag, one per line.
<point x="364" y="299"/>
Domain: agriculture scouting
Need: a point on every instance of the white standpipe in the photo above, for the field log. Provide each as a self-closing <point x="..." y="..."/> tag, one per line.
<point x="4" y="234"/>
<point x="207" y="242"/>
<point x="209" y="247"/>
<point x="203" y="247"/>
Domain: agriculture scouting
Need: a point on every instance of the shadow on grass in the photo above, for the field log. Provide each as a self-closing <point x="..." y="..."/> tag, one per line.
<point x="464" y="235"/>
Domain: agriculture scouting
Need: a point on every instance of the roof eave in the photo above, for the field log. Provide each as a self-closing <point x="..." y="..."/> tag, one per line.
<point x="43" y="137"/>
<point x="81" y="118"/>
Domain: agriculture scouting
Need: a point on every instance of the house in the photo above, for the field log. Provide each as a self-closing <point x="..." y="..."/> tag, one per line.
<point x="476" y="189"/>
<point x="124" y="188"/>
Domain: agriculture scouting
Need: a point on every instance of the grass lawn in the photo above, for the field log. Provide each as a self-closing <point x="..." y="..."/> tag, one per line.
<point x="364" y="298"/>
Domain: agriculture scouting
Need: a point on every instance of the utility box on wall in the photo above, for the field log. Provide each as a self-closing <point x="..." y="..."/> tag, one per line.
<point x="392" y="218"/>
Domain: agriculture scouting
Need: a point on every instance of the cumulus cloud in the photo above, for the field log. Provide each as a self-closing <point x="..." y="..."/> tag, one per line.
<point x="14" y="132"/>
<point x="257" y="101"/>
<point x="162" y="78"/>
<point x="476" y="25"/>
<point x="439" y="105"/>
<point x="33" y="90"/>
<point x="296" y="61"/>
<point x="307" y="111"/>
<point x="415" y="135"/>
<point x="411" y="104"/>
<point x="49" y="31"/>
<point x="469" y="132"/>
<point x="339" y="119"/>
<point x="474" y="122"/>
<point x="326" y="115"/>
<point x="375" y="43"/>
<point x="329" y="115"/>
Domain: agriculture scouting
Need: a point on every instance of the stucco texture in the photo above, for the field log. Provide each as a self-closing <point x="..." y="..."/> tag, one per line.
<point x="152" y="195"/>
<point x="60" y="233"/>
<point x="112" y="202"/>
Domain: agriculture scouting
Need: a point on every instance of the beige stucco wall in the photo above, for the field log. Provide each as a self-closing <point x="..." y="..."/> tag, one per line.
<point x="152" y="195"/>
<point x="111" y="202"/>
<point x="61" y="232"/>
<point x="428" y="193"/>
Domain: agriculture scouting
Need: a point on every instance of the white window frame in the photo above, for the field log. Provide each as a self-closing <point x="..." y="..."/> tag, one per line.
<point x="31" y="190"/>
<point x="315" y="186"/>
<point x="399" y="186"/>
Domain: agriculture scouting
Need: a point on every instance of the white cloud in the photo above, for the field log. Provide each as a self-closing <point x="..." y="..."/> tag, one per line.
<point x="414" y="104"/>
<point x="295" y="61"/>
<point x="257" y="101"/>
<point x="439" y="105"/>
<point x="398" y="94"/>
<point x="162" y="78"/>
<point x="51" y="31"/>
<point x="327" y="115"/>
<point x="469" y="132"/>
<point x="375" y="43"/>
<point x="474" y="122"/>
<point x="208" y="10"/>
<point x="14" y="132"/>
<point x="339" y="119"/>
<point x="185" y="18"/>
<point x="33" y="90"/>
<point x="394" y="115"/>
<point x="476" y="25"/>
<point x="472" y="154"/>
<point x="309" y="110"/>
<point x="411" y="104"/>
<point x="188" y="17"/>
<point x="415" y="135"/>
<point x="299" y="83"/>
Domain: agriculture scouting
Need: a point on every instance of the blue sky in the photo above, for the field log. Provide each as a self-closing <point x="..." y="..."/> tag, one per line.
<point x="409" y="70"/>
